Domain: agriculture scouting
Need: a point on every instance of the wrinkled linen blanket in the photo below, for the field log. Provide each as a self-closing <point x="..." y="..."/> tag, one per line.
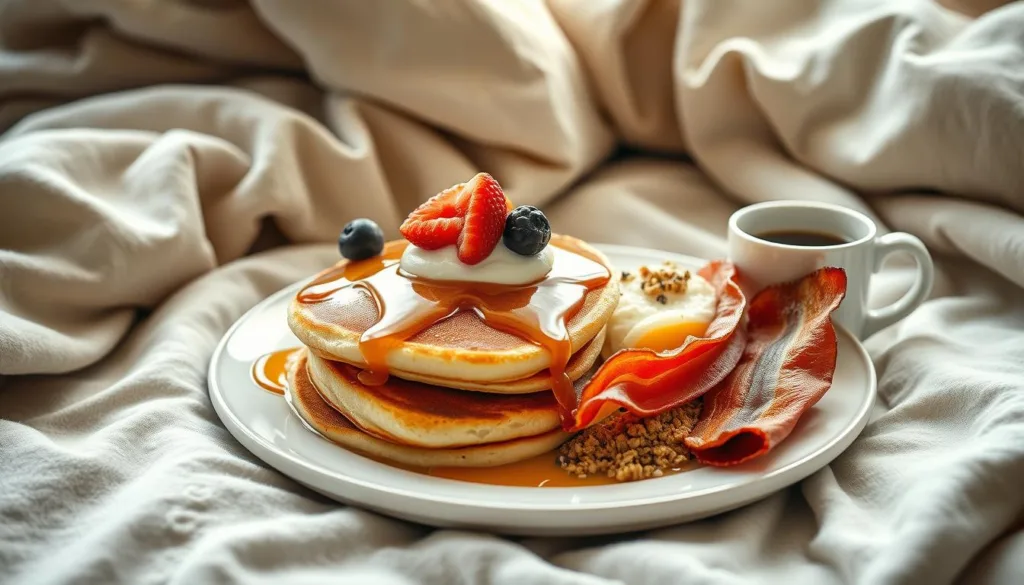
<point x="165" y="165"/>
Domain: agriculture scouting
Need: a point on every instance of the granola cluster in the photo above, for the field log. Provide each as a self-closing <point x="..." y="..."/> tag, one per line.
<point x="628" y="448"/>
<point x="667" y="278"/>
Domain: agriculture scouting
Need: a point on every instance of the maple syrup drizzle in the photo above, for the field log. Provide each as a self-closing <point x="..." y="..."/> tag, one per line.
<point x="407" y="305"/>
<point x="268" y="371"/>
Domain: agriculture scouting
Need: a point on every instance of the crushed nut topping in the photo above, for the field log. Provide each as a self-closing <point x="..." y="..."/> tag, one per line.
<point x="628" y="448"/>
<point x="666" y="279"/>
<point x="662" y="299"/>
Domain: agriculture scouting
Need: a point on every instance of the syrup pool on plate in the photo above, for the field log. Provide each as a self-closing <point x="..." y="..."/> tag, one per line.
<point x="539" y="471"/>
<point x="268" y="372"/>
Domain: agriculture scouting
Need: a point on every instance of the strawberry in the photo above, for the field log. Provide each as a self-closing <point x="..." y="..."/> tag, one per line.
<point x="439" y="221"/>
<point x="469" y="215"/>
<point x="485" y="215"/>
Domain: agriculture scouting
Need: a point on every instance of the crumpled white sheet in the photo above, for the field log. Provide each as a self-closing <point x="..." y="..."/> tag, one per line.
<point x="167" y="165"/>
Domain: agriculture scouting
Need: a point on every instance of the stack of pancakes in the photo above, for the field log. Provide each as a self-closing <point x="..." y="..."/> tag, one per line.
<point x="460" y="393"/>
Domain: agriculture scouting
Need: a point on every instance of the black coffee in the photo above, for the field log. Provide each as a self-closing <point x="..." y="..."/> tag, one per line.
<point x="802" y="238"/>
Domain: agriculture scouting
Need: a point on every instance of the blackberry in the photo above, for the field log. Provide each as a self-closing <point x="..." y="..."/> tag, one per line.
<point x="527" y="230"/>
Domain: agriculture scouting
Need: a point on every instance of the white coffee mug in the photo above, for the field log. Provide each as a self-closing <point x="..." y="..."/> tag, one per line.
<point x="856" y="249"/>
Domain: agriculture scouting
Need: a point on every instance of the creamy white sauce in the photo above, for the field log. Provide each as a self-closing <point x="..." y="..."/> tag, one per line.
<point x="503" y="266"/>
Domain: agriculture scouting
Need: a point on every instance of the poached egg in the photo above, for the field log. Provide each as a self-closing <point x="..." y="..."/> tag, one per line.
<point x="660" y="307"/>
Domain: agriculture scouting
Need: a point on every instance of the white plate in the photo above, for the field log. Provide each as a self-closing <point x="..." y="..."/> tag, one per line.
<point x="265" y="425"/>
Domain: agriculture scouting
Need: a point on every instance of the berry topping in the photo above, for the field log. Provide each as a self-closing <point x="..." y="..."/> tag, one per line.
<point x="361" y="239"/>
<point x="438" y="222"/>
<point x="485" y="219"/>
<point x="527" y="230"/>
<point x="470" y="216"/>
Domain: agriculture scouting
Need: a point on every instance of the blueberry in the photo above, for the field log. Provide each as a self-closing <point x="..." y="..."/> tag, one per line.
<point x="361" y="239"/>
<point x="527" y="231"/>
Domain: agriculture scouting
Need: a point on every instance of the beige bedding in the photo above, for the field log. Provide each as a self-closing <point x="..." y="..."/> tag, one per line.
<point x="166" y="165"/>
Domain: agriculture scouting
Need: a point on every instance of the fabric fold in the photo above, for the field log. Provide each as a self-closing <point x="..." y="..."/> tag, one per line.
<point x="129" y="215"/>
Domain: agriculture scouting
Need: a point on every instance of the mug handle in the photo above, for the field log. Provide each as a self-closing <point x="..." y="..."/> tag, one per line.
<point x="901" y="242"/>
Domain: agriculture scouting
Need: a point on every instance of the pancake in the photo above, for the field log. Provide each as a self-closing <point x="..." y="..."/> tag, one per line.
<point x="580" y="363"/>
<point x="319" y="416"/>
<point x="428" y="416"/>
<point x="461" y="350"/>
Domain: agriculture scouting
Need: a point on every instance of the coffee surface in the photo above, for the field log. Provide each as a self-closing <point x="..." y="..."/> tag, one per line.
<point x="803" y="238"/>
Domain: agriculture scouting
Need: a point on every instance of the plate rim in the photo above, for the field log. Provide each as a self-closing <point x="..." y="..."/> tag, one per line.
<point x="786" y="475"/>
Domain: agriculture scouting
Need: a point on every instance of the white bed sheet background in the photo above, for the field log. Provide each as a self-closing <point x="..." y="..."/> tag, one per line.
<point x="166" y="165"/>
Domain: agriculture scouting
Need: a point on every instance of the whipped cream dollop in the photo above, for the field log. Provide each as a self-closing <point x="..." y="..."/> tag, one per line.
<point x="503" y="266"/>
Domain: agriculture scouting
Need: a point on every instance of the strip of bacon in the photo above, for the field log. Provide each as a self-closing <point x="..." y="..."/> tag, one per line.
<point x="786" y="368"/>
<point x="646" y="382"/>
